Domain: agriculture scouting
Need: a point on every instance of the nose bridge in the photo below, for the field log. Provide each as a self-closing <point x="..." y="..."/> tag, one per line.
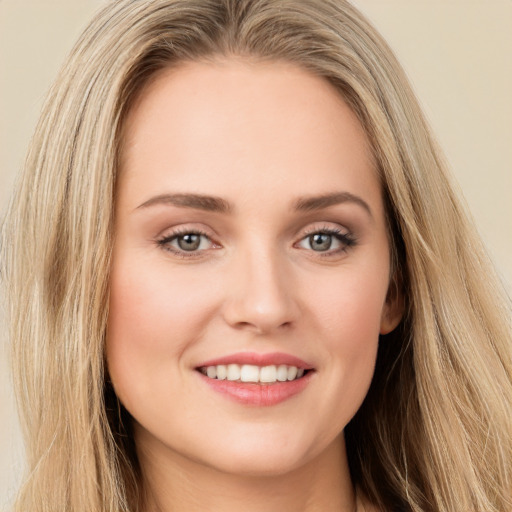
<point x="262" y="293"/>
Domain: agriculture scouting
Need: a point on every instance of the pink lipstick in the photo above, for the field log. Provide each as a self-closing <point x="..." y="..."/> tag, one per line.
<point x="257" y="379"/>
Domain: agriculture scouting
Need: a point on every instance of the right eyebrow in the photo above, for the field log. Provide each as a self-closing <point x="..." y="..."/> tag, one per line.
<point x="196" y="201"/>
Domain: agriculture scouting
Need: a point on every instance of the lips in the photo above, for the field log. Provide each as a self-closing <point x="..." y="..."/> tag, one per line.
<point x="273" y="358"/>
<point x="257" y="379"/>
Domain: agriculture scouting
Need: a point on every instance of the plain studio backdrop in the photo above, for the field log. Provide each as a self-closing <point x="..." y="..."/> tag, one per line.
<point x="456" y="53"/>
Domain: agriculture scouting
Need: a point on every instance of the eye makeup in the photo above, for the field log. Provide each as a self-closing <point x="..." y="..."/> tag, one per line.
<point x="325" y="241"/>
<point x="322" y="241"/>
<point x="187" y="243"/>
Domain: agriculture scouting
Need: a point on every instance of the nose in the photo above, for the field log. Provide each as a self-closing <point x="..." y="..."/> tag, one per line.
<point x="261" y="296"/>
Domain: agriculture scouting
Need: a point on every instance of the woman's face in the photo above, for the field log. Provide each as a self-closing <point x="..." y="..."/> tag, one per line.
<point x="250" y="244"/>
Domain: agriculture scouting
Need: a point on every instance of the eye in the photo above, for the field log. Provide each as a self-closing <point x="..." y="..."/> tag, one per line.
<point x="190" y="241"/>
<point x="327" y="240"/>
<point x="185" y="242"/>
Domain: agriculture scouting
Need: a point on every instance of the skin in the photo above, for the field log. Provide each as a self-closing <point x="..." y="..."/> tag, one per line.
<point x="260" y="136"/>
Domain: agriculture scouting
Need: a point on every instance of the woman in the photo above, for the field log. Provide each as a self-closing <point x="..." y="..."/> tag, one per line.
<point x="239" y="276"/>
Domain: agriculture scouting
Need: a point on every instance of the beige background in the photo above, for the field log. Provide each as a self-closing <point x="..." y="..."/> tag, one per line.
<point x="456" y="52"/>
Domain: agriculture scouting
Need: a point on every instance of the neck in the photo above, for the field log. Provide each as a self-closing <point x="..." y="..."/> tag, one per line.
<point x="174" y="483"/>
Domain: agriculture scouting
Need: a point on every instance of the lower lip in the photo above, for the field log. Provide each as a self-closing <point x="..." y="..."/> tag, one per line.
<point x="259" y="395"/>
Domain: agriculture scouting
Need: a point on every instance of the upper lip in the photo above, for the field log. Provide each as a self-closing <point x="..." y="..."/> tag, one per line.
<point x="256" y="359"/>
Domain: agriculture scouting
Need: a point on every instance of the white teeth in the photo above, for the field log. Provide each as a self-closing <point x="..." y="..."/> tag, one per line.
<point x="252" y="373"/>
<point x="249" y="373"/>
<point x="222" y="372"/>
<point x="268" y="374"/>
<point x="292" y="372"/>
<point x="282" y="373"/>
<point x="233" y="372"/>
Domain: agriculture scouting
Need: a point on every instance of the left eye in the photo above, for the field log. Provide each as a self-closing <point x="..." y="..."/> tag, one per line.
<point x="325" y="241"/>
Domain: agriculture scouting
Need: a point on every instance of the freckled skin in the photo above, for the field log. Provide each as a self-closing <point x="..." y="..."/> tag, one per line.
<point x="259" y="136"/>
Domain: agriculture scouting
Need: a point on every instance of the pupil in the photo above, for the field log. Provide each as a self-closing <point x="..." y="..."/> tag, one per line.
<point x="189" y="242"/>
<point x="320" y="241"/>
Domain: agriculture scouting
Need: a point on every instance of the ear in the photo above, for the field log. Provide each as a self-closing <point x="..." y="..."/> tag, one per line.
<point x="394" y="307"/>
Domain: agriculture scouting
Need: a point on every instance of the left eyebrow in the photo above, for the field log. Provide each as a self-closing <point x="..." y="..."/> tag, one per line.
<point x="308" y="204"/>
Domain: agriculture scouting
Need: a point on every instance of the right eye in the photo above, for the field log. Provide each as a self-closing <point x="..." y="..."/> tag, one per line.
<point x="181" y="243"/>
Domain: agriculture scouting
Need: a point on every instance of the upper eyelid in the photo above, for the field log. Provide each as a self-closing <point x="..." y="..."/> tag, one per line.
<point x="331" y="228"/>
<point x="316" y="227"/>
<point x="175" y="231"/>
<point x="326" y="229"/>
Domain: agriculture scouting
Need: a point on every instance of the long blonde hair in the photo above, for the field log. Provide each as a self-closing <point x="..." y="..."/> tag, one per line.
<point x="434" y="433"/>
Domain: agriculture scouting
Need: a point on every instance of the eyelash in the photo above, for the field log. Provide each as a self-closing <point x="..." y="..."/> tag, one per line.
<point x="165" y="241"/>
<point x="347" y="241"/>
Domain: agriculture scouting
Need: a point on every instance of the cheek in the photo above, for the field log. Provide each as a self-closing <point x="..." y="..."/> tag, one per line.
<point x="353" y="334"/>
<point x="349" y="316"/>
<point x="152" y="320"/>
<point x="350" y="306"/>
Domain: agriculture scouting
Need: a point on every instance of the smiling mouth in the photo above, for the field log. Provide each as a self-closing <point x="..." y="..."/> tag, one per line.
<point x="271" y="374"/>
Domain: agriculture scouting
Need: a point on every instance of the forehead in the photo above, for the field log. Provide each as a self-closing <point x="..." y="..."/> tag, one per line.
<point x="232" y="124"/>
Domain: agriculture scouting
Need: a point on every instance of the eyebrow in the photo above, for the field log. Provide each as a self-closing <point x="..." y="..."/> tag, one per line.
<point x="219" y="205"/>
<point x="196" y="201"/>
<point x="308" y="204"/>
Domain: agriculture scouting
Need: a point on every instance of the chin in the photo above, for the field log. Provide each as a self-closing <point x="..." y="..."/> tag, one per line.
<point x="264" y="457"/>
<point x="258" y="466"/>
